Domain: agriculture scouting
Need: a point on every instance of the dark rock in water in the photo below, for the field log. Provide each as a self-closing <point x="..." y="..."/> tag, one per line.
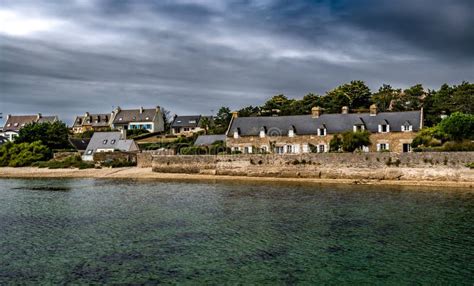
<point x="44" y="188"/>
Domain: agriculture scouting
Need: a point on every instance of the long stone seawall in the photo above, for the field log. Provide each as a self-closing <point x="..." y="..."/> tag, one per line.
<point x="449" y="166"/>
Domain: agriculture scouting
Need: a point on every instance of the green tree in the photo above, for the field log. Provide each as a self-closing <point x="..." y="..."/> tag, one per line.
<point x="335" y="145"/>
<point x="463" y="98"/>
<point x="410" y="99"/>
<point x="205" y="123"/>
<point x="53" y="135"/>
<point x="355" y="95"/>
<point x="352" y="141"/>
<point x="458" y="126"/>
<point x="23" y="154"/>
<point x="249" y="111"/>
<point x="222" y="120"/>
<point x="384" y="97"/>
<point x="278" y="105"/>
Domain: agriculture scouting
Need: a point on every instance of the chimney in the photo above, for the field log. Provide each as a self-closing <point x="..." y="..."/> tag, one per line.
<point x="86" y="114"/>
<point x="141" y="109"/>
<point x="123" y="134"/>
<point x="316" y="112"/>
<point x="8" y="116"/>
<point x="39" y="116"/>
<point x="345" y="110"/>
<point x="158" y="108"/>
<point x="235" y="114"/>
<point x="373" y="110"/>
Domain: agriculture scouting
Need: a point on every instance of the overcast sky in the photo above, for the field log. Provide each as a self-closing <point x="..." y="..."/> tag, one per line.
<point x="69" y="57"/>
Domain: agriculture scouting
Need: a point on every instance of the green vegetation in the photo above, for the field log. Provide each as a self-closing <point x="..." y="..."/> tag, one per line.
<point x="133" y="133"/>
<point x="453" y="133"/>
<point x="117" y="163"/>
<point x="335" y="145"/>
<point x="52" y="135"/>
<point x="352" y="141"/>
<point x="358" y="97"/>
<point x="23" y="154"/>
<point x="69" y="162"/>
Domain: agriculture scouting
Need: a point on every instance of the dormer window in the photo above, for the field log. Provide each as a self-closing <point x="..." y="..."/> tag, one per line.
<point x="384" y="127"/>
<point x="120" y="119"/>
<point x="358" y="128"/>
<point x="237" y="133"/>
<point x="23" y="125"/>
<point x="134" y="118"/>
<point x="322" y="130"/>
<point x="104" y="142"/>
<point x="16" y="124"/>
<point x="263" y="132"/>
<point x="147" y="118"/>
<point x="291" y="131"/>
<point x="9" y="124"/>
<point x="407" y="127"/>
<point x="192" y="121"/>
<point x="112" y="141"/>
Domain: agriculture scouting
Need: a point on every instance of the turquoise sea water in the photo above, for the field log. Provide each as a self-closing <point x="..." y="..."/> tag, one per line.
<point x="143" y="232"/>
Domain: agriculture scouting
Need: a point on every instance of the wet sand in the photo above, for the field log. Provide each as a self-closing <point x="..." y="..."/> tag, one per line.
<point x="147" y="173"/>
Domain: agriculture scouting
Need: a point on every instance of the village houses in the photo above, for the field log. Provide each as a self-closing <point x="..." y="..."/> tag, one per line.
<point x="14" y="123"/>
<point x="150" y="119"/>
<point x="187" y="125"/>
<point x="91" y="122"/>
<point x="390" y="131"/>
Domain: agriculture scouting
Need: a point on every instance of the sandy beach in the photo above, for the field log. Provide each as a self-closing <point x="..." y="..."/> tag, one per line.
<point x="147" y="173"/>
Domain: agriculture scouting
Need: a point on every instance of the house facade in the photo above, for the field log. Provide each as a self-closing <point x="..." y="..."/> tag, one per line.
<point x="14" y="123"/>
<point x="187" y="125"/>
<point x="390" y="131"/>
<point x="108" y="142"/>
<point x="94" y="122"/>
<point x="150" y="119"/>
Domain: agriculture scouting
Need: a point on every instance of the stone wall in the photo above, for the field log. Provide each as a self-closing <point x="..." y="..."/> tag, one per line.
<point x="116" y="155"/>
<point x="412" y="166"/>
<point x="144" y="159"/>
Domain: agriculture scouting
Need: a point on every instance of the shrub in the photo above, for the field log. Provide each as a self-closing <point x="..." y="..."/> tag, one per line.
<point x="69" y="162"/>
<point x="335" y="145"/>
<point x="23" y="154"/>
<point x="458" y="126"/>
<point x="458" y="146"/>
<point x="132" y="133"/>
<point x="429" y="137"/>
<point x="352" y="141"/>
<point x="118" y="163"/>
<point x="193" y="151"/>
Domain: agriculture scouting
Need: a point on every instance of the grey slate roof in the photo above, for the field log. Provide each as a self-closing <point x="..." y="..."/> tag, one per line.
<point x="95" y="120"/>
<point x="16" y="122"/>
<point x="134" y="115"/>
<point x="109" y="140"/>
<point x="186" y="121"/>
<point x="79" y="143"/>
<point x="335" y="123"/>
<point x="50" y="119"/>
<point x="206" y="140"/>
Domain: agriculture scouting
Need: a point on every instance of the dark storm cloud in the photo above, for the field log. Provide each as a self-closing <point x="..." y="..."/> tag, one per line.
<point x="194" y="56"/>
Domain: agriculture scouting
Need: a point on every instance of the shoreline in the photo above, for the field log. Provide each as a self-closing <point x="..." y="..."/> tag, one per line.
<point x="147" y="174"/>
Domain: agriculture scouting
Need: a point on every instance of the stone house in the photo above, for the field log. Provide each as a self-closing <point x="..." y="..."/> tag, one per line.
<point x="95" y="122"/>
<point x="390" y="131"/>
<point x="150" y="119"/>
<point x="14" y="123"/>
<point x="188" y="125"/>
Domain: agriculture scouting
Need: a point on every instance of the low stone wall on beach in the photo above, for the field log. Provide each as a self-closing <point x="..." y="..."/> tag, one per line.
<point x="394" y="166"/>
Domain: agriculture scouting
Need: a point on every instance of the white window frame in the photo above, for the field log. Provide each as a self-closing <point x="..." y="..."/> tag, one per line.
<point x="291" y="133"/>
